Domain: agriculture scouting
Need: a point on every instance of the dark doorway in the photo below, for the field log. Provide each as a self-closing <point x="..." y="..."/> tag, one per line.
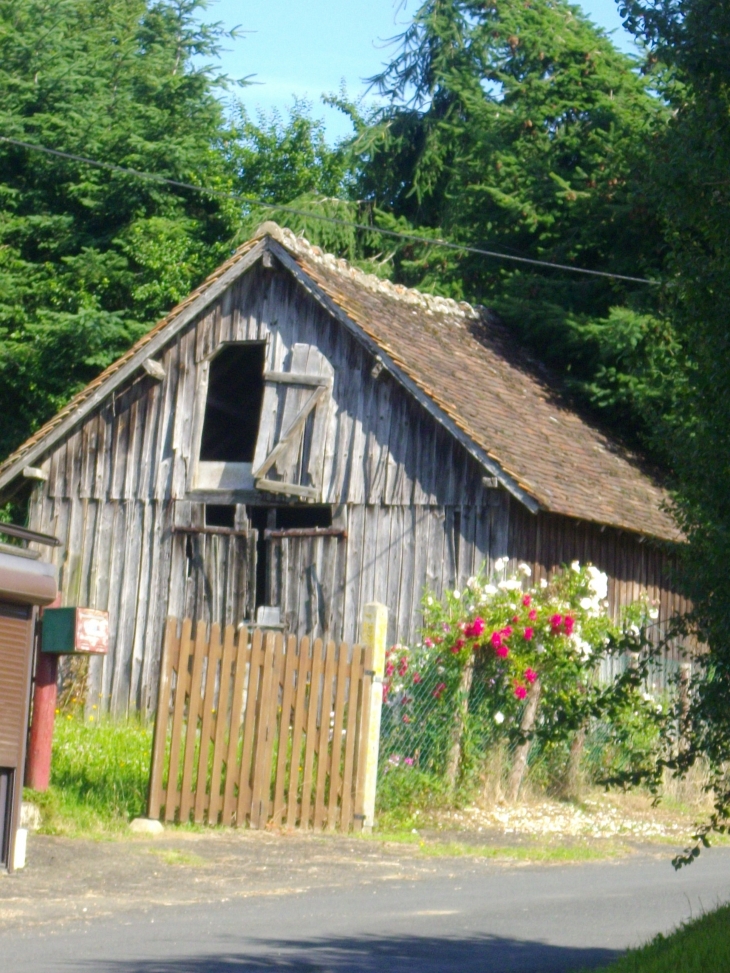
<point x="233" y="405"/>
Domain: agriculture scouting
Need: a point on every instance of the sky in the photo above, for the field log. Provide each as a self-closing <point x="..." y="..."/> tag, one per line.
<point x="304" y="48"/>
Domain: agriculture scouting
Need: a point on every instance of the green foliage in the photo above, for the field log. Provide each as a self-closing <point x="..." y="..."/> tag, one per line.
<point x="521" y="128"/>
<point x="688" y="190"/>
<point x="99" y="776"/>
<point x="699" y="946"/>
<point x="89" y="259"/>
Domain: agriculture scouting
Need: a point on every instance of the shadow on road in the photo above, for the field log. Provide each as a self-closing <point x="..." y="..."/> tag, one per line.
<point x="372" y="954"/>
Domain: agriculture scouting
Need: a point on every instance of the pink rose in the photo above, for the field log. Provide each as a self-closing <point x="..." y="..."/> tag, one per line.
<point x="428" y="643"/>
<point x="496" y="639"/>
<point x="556" y="622"/>
<point x="530" y="675"/>
<point x="533" y="615"/>
<point x="569" y="624"/>
<point x="389" y="669"/>
<point x="520" y="692"/>
<point x="417" y="677"/>
<point x="527" y="601"/>
<point x="529" y="633"/>
<point x="502" y="651"/>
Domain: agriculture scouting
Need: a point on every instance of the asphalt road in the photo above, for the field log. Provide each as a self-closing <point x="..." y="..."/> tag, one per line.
<point x="495" y="920"/>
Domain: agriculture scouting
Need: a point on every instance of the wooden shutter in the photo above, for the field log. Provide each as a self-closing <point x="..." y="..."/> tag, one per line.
<point x="290" y="447"/>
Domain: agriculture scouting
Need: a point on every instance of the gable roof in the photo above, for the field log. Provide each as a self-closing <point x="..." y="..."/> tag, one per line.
<point x="459" y="361"/>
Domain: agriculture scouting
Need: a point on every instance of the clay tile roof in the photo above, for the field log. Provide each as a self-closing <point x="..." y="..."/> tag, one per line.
<point x="470" y="367"/>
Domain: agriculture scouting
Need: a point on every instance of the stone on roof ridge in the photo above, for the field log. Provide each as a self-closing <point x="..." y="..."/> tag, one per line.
<point x="431" y="303"/>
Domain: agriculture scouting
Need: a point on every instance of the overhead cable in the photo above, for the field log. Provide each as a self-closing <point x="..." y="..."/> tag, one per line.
<point x="395" y="234"/>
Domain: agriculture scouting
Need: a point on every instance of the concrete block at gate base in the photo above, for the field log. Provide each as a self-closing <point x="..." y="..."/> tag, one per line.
<point x="146" y="826"/>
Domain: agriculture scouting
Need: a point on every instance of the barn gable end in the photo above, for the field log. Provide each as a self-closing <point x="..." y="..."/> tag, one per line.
<point x="359" y="486"/>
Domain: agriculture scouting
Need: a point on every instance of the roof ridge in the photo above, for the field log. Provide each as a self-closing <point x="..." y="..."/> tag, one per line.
<point x="431" y="303"/>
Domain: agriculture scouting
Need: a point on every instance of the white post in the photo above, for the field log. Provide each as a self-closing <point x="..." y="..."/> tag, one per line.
<point x="374" y="635"/>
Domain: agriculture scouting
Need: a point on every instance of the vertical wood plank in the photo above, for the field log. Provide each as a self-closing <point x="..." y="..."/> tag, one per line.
<point x="261" y="771"/>
<point x="343" y="670"/>
<point x="183" y="677"/>
<point x="194" y="704"/>
<point x="211" y="676"/>
<point x="243" y="805"/>
<point x="170" y="651"/>
<point x="323" y="748"/>
<point x="243" y="656"/>
<point x="285" y="724"/>
<point x="311" y="734"/>
<point x="303" y="670"/>
<point x="222" y="720"/>
<point x="353" y="707"/>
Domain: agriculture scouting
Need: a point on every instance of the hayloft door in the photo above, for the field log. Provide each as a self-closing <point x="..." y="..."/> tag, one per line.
<point x="289" y="455"/>
<point x="213" y="575"/>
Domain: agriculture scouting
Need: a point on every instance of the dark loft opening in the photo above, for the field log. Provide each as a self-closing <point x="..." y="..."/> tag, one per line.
<point x="233" y="405"/>
<point x="288" y="518"/>
<point x="219" y="516"/>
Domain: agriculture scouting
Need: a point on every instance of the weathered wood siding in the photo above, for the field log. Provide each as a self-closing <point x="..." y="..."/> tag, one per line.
<point x="413" y="502"/>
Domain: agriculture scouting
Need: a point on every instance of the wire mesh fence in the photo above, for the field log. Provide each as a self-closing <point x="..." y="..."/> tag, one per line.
<point x="456" y="734"/>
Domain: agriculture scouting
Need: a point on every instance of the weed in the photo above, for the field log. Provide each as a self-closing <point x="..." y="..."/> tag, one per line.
<point x="99" y="776"/>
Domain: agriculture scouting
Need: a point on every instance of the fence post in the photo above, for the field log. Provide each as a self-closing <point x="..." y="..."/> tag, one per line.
<point x="374" y="635"/>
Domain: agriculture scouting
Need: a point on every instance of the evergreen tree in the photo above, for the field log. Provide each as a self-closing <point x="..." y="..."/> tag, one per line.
<point x="519" y="127"/>
<point x="88" y="258"/>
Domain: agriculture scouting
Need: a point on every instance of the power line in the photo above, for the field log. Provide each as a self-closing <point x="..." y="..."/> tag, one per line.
<point x="412" y="237"/>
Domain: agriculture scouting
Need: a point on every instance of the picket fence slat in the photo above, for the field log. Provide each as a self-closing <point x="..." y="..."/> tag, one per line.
<point x="258" y="729"/>
<point x="221" y="720"/>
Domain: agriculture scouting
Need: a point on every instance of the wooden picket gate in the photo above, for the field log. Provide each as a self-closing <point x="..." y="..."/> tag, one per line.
<point x="257" y="728"/>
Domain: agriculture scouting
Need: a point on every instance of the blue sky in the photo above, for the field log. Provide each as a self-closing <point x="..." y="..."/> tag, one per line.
<point x="305" y="48"/>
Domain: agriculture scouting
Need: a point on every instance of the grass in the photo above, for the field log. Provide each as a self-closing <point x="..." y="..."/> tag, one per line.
<point x="699" y="946"/>
<point x="99" y="777"/>
<point x="536" y="852"/>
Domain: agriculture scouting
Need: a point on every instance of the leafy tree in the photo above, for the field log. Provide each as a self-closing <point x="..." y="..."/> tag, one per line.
<point x="687" y="49"/>
<point x="89" y="258"/>
<point x="520" y="127"/>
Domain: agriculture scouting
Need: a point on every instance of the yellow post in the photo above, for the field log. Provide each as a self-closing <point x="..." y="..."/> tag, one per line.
<point x="374" y="635"/>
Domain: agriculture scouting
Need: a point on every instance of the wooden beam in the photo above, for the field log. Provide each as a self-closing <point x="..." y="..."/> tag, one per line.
<point x="34" y="473"/>
<point x="298" y="378"/>
<point x="291" y="489"/>
<point x="154" y="369"/>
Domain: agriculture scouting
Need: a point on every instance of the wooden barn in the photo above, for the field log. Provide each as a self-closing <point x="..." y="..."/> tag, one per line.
<point x="297" y="439"/>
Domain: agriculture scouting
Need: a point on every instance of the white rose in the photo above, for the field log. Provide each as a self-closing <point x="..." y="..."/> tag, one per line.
<point x="429" y="601"/>
<point x="524" y="569"/>
<point x="472" y="583"/>
<point x="575" y="566"/>
<point x="500" y="563"/>
<point x="511" y="584"/>
<point x="489" y="590"/>
<point x="543" y="582"/>
<point x="457" y="595"/>
<point x="499" y="717"/>
<point x="653" y="613"/>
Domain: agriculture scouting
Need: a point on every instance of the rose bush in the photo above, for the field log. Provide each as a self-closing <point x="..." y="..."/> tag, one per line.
<point x="505" y="661"/>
